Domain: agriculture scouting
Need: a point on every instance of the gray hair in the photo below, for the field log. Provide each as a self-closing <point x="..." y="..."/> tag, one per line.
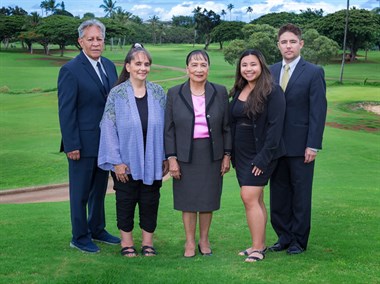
<point x="89" y="23"/>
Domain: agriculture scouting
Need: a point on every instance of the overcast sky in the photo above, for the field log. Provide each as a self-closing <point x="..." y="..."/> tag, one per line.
<point x="165" y="9"/>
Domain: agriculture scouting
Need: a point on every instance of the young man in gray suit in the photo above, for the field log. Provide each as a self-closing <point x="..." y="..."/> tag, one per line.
<point x="83" y="85"/>
<point x="306" y="106"/>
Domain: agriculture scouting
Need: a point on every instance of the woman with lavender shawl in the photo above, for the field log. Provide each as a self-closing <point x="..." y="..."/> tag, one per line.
<point x="132" y="148"/>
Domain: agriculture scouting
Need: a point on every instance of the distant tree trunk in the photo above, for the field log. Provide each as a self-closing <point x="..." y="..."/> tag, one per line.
<point x="208" y="40"/>
<point x="344" y="43"/>
<point x="111" y="43"/>
<point x="46" y="49"/>
<point x="220" y="45"/>
<point x="366" y="54"/>
<point x="62" y="47"/>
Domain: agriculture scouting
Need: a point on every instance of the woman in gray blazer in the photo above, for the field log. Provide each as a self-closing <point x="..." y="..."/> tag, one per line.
<point x="198" y="147"/>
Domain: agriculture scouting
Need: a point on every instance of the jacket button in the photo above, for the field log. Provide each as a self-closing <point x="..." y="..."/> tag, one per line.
<point x="256" y="139"/>
<point x="208" y="116"/>
<point x="254" y="126"/>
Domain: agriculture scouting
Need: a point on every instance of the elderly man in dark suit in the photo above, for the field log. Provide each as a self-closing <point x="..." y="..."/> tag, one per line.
<point x="291" y="183"/>
<point x="83" y="85"/>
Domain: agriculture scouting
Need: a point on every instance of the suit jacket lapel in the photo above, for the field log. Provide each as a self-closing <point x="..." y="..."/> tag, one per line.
<point x="90" y="70"/>
<point x="296" y="73"/>
<point x="210" y="93"/>
<point x="276" y="71"/>
<point x="185" y="94"/>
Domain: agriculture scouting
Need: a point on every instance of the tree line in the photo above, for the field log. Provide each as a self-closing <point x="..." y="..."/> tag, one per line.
<point x="323" y="34"/>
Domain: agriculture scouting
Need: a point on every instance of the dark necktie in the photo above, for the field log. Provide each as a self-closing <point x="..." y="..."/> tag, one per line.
<point x="104" y="78"/>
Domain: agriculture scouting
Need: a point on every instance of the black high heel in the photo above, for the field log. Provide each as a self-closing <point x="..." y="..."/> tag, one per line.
<point x="204" y="253"/>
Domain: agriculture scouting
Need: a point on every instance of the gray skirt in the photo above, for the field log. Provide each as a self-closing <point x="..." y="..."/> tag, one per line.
<point x="200" y="186"/>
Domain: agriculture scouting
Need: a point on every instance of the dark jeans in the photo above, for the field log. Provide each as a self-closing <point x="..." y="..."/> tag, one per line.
<point x="135" y="192"/>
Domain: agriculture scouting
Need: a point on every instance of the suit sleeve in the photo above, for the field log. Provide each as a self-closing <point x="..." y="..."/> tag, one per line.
<point x="318" y="109"/>
<point x="274" y="128"/>
<point x="67" y="110"/>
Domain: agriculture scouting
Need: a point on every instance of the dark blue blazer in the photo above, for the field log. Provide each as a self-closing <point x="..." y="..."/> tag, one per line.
<point x="306" y="107"/>
<point x="267" y="129"/>
<point x="81" y="101"/>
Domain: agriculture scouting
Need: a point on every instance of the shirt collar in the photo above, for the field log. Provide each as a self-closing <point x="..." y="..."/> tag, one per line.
<point x="92" y="61"/>
<point x="292" y="64"/>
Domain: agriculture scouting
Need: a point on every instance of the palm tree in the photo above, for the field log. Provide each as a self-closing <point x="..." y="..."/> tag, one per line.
<point x="52" y="6"/>
<point x="109" y="7"/>
<point x="44" y="6"/>
<point x="223" y="13"/>
<point x="154" y="21"/>
<point x="249" y="10"/>
<point x="229" y="8"/>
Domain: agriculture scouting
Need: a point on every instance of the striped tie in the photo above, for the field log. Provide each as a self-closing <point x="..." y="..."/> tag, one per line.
<point x="285" y="77"/>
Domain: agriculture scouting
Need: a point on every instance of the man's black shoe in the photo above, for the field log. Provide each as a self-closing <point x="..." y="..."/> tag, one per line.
<point x="278" y="247"/>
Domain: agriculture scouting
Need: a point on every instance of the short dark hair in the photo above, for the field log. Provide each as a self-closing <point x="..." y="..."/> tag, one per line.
<point x="290" y="28"/>
<point x="198" y="53"/>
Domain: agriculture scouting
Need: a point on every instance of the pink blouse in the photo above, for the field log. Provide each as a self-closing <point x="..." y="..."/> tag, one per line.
<point x="200" y="125"/>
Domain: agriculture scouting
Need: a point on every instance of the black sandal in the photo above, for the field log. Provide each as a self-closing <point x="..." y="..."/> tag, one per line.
<point x="246" y="253"/>
<point x="148" y="251"/>
<point x="129" y="252"/>
<point x="252" y="258"/>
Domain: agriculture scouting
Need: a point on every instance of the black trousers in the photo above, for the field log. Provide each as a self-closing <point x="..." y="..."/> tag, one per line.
<point x="134" y="192"/>
<point x="290" y="200"/>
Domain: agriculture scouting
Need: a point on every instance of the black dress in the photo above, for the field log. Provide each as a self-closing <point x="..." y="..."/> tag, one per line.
<point x="245" y="150"/>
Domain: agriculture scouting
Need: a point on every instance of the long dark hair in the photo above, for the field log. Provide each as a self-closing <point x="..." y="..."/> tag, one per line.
<point x="136" y="48"/>
<point x="257" y="97"/>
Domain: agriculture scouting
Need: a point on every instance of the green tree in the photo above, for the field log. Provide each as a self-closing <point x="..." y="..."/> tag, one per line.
<point x="17" y="11"/>
<point x="318" y="49"/>
<point x="276" y="20"/>
<point x="261" y="37"/>
<point x="363" y="28"/>
<point x="232" y="52"/>
<point x="109" y="7"/>
<point x="178" y="34"/>
<point x="88" y="15"/>
<point x="30" y="36"/>
<point x="205" y="21"/>
<point x="183" y="21"/>
<point x="57" y="29"/>
<point x="227" y="31"/>
<point x="11" y="27"/>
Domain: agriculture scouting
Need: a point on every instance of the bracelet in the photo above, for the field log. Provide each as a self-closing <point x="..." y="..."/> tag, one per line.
<point x="172" y="157"/>
<point x="227" y="154"/>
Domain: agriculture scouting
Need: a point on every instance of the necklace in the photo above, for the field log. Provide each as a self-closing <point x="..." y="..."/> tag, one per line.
<point x="140" y="97"/>
<point x="198" y="95"/>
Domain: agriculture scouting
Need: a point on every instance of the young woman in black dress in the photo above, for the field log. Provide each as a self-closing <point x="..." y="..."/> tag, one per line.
<point x="257" y="115"/>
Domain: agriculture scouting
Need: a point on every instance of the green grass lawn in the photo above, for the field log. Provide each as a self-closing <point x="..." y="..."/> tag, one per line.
<point x="344" y="244"/>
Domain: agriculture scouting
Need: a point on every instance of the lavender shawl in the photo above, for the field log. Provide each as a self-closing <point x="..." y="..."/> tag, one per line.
<point x="121" y="138"/>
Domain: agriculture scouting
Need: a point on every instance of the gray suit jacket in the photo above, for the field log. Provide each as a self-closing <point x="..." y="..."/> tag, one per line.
<point x="179" y="121"/>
